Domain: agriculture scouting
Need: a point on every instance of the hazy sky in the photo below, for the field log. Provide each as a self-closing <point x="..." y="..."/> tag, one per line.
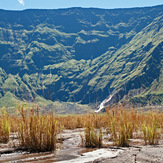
<point x="54" y="4"/>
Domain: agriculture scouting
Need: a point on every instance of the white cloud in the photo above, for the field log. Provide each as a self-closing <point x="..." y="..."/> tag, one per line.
<point x="21" y="2"/>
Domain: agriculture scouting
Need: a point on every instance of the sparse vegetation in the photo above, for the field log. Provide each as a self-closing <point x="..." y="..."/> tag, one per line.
<point x="36" y="132"/>
<point x="124" y="124"/>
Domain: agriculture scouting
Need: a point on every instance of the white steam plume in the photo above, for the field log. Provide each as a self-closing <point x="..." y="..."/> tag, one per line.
<point x="21" y="2"/>
<point x="102" y="105"/>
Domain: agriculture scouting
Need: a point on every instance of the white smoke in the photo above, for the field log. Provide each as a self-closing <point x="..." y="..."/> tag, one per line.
<point x="21" y="2"/>
<point x="102" y="105"/>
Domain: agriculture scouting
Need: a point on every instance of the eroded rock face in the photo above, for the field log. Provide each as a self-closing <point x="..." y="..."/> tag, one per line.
<point x="81" y="55"/>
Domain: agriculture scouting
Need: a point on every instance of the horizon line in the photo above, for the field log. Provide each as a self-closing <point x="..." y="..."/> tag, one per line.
<point x="81" y="8"/>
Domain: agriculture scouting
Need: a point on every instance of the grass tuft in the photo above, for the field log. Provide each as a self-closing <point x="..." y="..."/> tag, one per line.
<point x="151" y="131"/>
<point x="37" y="132"/>
<point x="4" y="127"/>
<point x="92" y="136"/>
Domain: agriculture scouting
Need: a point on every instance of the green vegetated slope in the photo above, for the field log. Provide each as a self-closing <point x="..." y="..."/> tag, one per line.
<point x="81" y="55"/>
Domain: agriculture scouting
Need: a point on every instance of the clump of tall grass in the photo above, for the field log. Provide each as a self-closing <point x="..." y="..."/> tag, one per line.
<point x="37" y="132"/>
<point x="121" y="125"/>
<point x="151" y="132"/>
<point x="92" y="136"/>
<point x="4" y="127"/>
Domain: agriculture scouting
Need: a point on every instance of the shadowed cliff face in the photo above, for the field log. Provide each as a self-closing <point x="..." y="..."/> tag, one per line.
<point x="81" y="55"/>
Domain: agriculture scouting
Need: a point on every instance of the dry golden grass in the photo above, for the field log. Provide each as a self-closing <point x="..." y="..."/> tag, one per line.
<point x="93" y="132"/>
<point x="71" y="122"/>
<point x="123" y="124"/>
<point x="38" y="132"/>
<point x="151" y="129"/>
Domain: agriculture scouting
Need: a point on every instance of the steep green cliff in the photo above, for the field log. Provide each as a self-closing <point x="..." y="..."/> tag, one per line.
<point x="81" y="55"/>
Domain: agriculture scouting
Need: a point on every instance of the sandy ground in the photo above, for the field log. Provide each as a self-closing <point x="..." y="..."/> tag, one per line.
<point x="70" y="151"/>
